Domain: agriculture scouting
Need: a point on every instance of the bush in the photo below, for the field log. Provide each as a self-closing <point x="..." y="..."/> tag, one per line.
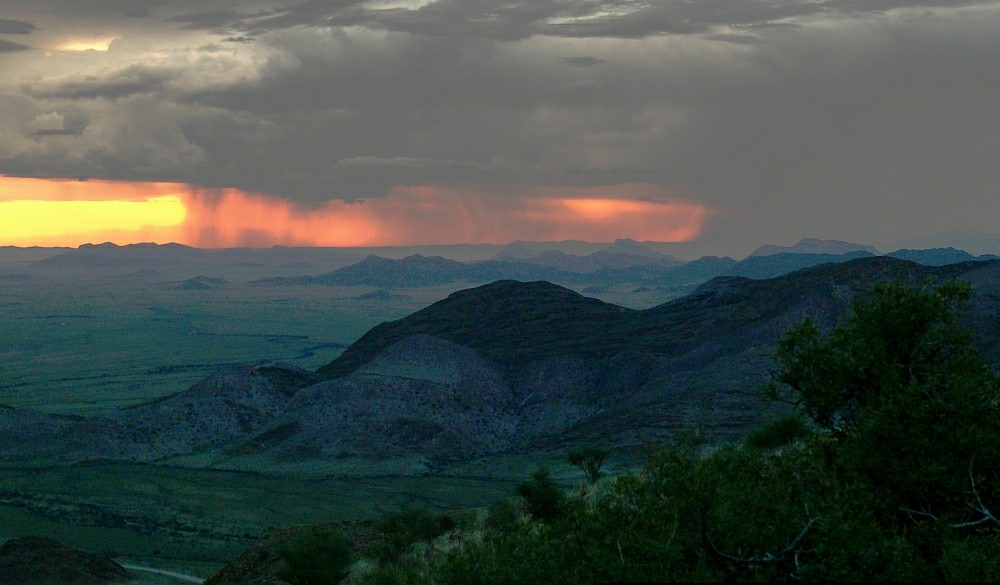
<point x="316" y="557"/>
<point x="502" y="516"/>
<point x="405" y="527"/>
<point x="779" y="433"/>
<point x="542" y="497"/>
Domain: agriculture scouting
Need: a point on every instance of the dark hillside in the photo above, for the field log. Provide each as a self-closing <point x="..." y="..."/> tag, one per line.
<point x="643" y="374"/>
<point x="506" y="321"/>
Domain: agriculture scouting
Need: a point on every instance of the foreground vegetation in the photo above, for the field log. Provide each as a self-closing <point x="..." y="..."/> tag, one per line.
<point x="887" y="468"/>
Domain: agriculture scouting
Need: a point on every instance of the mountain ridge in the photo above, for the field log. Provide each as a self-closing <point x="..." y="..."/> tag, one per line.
<point x="814" y="246"/>
<point x="503" y="367"/>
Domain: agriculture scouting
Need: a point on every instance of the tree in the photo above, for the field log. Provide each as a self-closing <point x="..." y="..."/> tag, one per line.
<point x="589" y="459"/>
<point x="911" y="403"/>
<point x="899" y="337"/>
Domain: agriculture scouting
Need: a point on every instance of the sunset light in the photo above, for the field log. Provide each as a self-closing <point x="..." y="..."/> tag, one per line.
<point x="42" y="220"/>
<point x="68" y="212"/>
<point x="100" y="45"/>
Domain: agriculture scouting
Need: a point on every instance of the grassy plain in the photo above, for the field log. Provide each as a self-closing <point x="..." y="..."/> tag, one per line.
<point x="86" y="343"/>
<point x="196" y="520"/>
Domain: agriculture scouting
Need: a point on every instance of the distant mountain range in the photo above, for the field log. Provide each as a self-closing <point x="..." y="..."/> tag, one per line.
<point x="600" y="272"/>
<point x="623" y="253"/>
<point x="939" y="256"/>
<point x="623" y="261"/>
<point x="505" y="367"/>
<point x="160" y="256"/>
<point x="973" y="242"/>
<point x="814" y="246"/>
<point x="566" y="269"/>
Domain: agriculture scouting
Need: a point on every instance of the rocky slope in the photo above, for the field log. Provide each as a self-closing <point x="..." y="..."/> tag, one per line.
<point x="230" y="405"/>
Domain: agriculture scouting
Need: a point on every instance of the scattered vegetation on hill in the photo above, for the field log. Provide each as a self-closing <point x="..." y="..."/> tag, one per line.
<point x="894" y="476"/>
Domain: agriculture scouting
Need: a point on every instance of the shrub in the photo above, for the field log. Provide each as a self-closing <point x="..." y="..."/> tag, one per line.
<point x="502" y="516"/>
<point x="780" y="432"/>
<point x="542" y="497"/>
<point x="316" y="557"/>
<point x="405" y="527"/>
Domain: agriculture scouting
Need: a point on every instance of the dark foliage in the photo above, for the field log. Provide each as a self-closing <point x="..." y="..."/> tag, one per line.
<point x="543" y="498"/>
<point x="317" y="557"/>
<point x="913" y="406"/>
<point x="780" y="432"/>
<point x="403" y="528"/>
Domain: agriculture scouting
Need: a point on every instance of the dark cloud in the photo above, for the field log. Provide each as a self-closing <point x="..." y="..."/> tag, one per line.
<point x="222" y="19"/>
<point x="15" y="27"/>
<point x="874" y="6"/>
<point x="57" y="132"/>
<point x="131" y="80"/>
<point x="10" y="46"/>
<point x="584" y="61"/>
<point x="141" y="8"/>
<point x="738" y="39"/>
<point x="213" y="19"/>
<point x="516" y="20"/>
<point x="458" y="18"/>
<point x="313" y="13"/>
<point x="71" y="121"/>
<point x="144" y="140"/>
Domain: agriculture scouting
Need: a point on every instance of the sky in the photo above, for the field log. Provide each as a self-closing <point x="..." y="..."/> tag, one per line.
<point x="392" y="122"/>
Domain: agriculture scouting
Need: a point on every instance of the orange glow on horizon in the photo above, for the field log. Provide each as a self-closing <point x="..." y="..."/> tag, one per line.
<point x="27" y="220"/>
<point x="69" y="213"/>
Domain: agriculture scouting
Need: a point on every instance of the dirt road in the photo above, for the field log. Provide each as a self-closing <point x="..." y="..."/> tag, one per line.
<point x="179" y="576"/>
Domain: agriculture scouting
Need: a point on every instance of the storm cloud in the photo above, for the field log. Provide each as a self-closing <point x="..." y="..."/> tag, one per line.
<point x="847" y="119"/>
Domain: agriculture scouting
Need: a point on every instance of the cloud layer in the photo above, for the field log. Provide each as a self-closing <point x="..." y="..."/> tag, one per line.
<point x="868" y="120"/>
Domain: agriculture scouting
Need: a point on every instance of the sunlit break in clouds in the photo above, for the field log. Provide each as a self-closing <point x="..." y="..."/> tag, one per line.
<point x="54" y="220"/>
<point x="46" y="212"/>
<point x="100" y="45"/>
